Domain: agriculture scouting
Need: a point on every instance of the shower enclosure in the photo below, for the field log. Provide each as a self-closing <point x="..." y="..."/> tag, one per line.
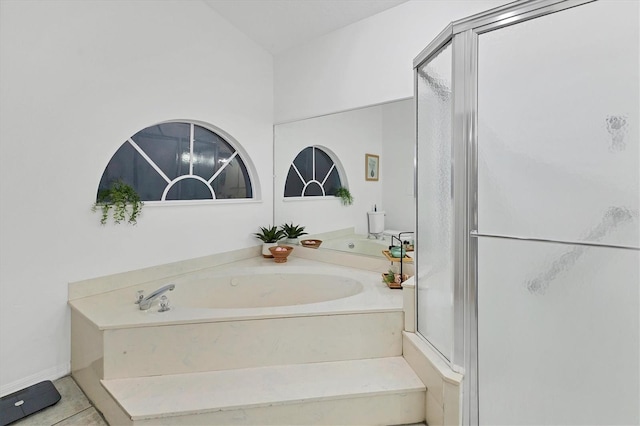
<point x="528" y="186"/>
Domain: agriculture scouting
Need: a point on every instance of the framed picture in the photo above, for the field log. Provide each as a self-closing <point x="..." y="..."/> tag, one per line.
<point x="371" y="166"/>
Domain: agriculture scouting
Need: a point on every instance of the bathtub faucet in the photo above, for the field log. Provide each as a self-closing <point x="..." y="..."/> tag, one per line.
<point x="145" y="302"/>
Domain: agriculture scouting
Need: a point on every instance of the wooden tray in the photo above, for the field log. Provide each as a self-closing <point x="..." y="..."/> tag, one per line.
<point x="405" y="259"/>
<point x="394" y="285"/>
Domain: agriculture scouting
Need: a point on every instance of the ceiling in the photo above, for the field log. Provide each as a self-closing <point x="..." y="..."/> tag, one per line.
<point x="278" y="25"/>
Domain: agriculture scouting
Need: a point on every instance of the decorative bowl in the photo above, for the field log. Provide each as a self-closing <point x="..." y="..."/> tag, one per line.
<point x="311" y="243"/>
<point x="280" y="253"/>
<point x="397" y="251"/>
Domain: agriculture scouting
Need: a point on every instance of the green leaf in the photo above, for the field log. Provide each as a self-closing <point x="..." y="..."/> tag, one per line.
<point x="122" y="199"/>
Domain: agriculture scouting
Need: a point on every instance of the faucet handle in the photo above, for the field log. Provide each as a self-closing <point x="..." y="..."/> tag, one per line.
<point x="139" y="296"/>
<point x="164" y="304"/>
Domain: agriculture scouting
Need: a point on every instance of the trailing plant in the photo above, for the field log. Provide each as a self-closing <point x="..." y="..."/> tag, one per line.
<point x="293" y="231"/>
<point x="270" y="234"/>
<point x="345" y="196"/>
<point x="123" y="199"/>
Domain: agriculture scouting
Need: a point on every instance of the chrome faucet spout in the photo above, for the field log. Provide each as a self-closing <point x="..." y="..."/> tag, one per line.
<point x="146" y="302"/>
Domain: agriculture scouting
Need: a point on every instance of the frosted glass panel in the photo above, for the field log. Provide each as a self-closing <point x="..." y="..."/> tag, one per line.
<point x="558" y="333"/>
<point x="558" y="120"/>
<point x="435" y="203"/>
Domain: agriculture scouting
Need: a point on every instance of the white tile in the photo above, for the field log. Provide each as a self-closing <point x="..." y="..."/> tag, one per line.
<point x="87" y="348"/>
<point x="424" y="369"/>
<point x="434" y="412"/>
<point x="451" y="404"/>
<point x="185" y="348"/>
<point x="160" y="396"/>
<point x="389" y="409"/>
<point x="435" y="359"/>
<point x="409" y="304"/>
<point x="88" y="380"/>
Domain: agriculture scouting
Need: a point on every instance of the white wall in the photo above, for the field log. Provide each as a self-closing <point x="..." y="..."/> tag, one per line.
<point x="76" y="79"/>
<point x="366" y="63"/>
<point x="396" y="165"/>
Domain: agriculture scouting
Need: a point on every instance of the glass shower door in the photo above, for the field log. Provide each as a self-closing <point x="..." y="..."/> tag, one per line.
<point x="558" y="224"/>
<point x="435" y="202"/>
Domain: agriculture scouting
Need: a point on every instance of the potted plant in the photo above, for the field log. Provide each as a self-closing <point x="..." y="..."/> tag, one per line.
<point x="123" y="199"/>
<point x="345" y="196"/>
<point x="269" y="237"/>
<point x="393" y="279"/>
<point x="293" y="233"/>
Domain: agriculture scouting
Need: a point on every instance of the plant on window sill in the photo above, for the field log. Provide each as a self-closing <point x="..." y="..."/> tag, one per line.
<point x="345" y="196"/>
<point x="123" y="199"/>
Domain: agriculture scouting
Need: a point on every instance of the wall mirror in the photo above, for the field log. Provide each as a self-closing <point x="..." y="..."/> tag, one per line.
<point x="385" y="132"/>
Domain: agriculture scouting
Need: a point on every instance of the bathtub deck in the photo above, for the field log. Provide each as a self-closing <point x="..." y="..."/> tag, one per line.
<point x="243" y="393"/>
<point x="115" y="309"/>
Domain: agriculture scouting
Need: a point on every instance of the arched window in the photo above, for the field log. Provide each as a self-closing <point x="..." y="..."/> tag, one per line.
<point x="180" y="161"/>
<point x="313" y="173"/>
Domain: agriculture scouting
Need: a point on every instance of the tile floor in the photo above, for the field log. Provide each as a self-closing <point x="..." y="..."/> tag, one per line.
<point x="73" y="409"/>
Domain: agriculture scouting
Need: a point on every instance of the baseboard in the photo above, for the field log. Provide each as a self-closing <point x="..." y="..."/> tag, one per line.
<point x="52" y="373"/>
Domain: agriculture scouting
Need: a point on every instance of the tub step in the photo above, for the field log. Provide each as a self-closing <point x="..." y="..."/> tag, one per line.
<point x="369" y="391"/>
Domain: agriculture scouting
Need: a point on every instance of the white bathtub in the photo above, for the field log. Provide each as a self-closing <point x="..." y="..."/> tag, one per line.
<point x="359" y="244"/>
<point x="251" y="289"/>
<point x="260" y="290"/>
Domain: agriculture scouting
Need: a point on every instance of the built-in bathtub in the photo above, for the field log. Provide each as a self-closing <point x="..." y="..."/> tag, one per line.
<point x="245" y="314"/>
<point x="359" y="244"/>
<point x="250" y="289"/>
<point x="263" y="288"/>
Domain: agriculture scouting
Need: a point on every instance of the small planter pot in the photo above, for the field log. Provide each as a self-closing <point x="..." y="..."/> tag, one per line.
<point x="265" y="249"/>
<point x="292" y="241"/>
<point x="280" y="253"/>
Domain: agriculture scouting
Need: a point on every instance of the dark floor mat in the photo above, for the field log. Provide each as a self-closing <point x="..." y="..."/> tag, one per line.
<point x="27" y="401"/>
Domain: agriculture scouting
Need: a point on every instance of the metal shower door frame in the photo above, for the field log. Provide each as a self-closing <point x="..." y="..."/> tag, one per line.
<point x="464" y="36"/>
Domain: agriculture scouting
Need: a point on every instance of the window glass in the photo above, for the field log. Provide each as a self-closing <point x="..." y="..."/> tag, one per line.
<point x="189" y="189"/>
<point x="332" y="183"/>
<point x="294" y="184"/>
<point x="312" y="174"/>
<point x="167" y="145"/>
<point x="304" y="163"/>
<point x="179" y="161"/>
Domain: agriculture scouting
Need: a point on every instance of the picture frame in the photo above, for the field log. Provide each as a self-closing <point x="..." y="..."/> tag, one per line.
<point x="371" y="167"/>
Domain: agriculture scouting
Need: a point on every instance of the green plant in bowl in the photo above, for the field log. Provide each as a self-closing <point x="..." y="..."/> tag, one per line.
<point x="269" y="235"/>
